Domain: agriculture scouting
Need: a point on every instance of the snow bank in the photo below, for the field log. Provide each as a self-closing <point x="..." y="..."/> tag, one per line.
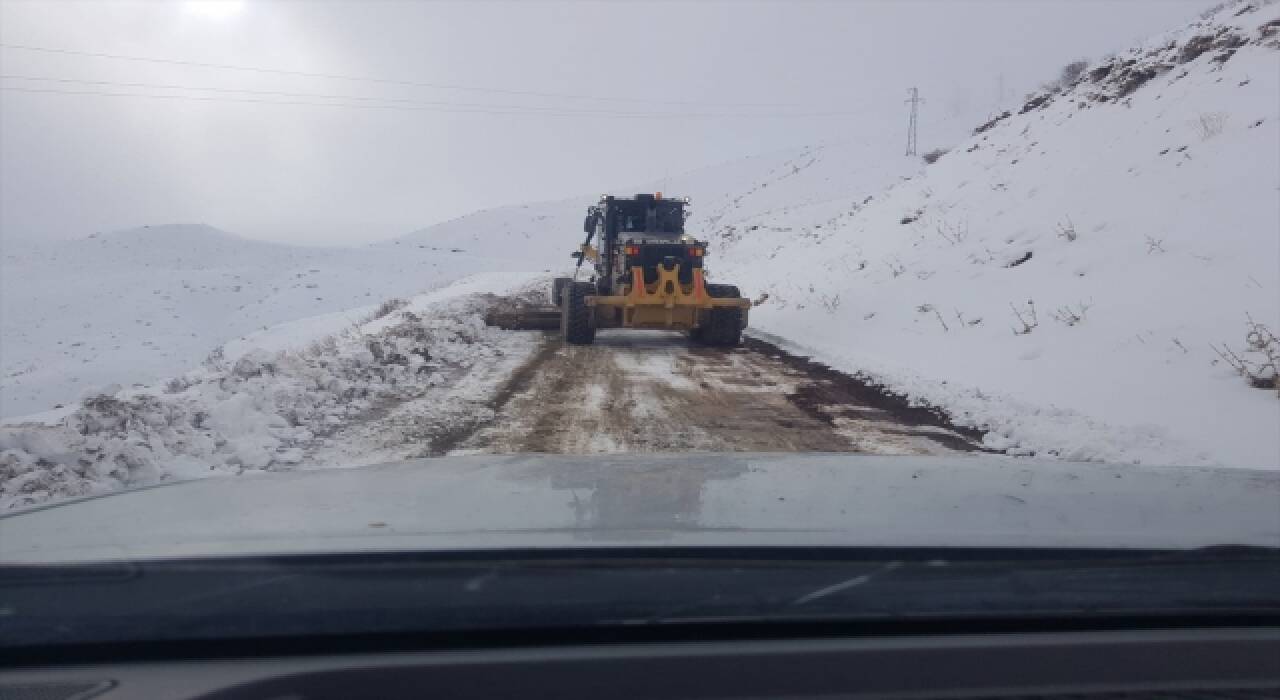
<point x="281" y="405"/>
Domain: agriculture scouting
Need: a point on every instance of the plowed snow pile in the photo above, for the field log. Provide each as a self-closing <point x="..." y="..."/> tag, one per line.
<point x="427" y="366"/>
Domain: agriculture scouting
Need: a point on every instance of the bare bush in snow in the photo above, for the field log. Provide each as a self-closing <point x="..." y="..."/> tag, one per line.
<point x="1155" y="245"/>
<point x="387" y="308"/>
<point x="1072" y="71"/>
<point x="1209" y="124"/>
<point x="1071" y="315"/>
<point x="1210" y="12"/>
<point x="1259" y="361"/>
<point x="324" y="346"/>
<point x="979" y="260"/>
<point x="952" y="234"/>
<point x="967" y="322"/>
<point x="215" y="360"/>
<point x="1067" y="77"/>
<point x="1028" y="319"/>
<point x="932" y="157"/>
<point x="1067" y="231"/>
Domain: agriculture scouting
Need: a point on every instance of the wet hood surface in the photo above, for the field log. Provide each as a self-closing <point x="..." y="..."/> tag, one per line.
<point x="644" y="500"/>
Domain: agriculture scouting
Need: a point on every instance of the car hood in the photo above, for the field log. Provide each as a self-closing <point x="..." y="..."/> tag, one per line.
<point x="702" y="499"/>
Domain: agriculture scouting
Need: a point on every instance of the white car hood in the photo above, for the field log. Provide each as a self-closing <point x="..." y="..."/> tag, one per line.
<point x="487" y="502"/>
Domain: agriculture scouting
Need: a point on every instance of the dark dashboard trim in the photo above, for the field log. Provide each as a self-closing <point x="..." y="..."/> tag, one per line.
<point x="623" y="634"/>
<point x="1237" y="663"/>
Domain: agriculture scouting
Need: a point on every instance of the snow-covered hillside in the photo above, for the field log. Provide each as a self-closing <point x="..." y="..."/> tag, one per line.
<point x="1063" y="276"/>
<point x="541" y="233"/>
<point x="773" y="184"/>
<point x="139" y="305"/>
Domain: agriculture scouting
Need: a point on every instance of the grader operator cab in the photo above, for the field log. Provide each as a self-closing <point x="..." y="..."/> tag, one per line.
<point x="646" y="273"/>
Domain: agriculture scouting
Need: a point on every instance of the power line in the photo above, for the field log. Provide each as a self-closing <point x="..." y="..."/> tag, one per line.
<point x="305" y="95"/>
<point x="245" y="100"/>
<point x="444" y="109"/>
<point x="371" y="79"/>
<point x="435" y="103"/>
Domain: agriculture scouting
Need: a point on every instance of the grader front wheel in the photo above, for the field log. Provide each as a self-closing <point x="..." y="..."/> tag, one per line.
<point x="557" y="289"/>
<point x="575" y="320"/>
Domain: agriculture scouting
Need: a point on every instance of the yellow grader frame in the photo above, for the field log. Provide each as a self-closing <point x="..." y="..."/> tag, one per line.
<point x="664" y="303"/>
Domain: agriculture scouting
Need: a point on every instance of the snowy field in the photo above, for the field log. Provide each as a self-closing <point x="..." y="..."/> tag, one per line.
<point x="1067" y="279"/>
<point x="138" y="306"/>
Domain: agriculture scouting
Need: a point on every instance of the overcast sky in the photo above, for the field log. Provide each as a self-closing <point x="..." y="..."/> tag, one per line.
<point x="73" y="164"/>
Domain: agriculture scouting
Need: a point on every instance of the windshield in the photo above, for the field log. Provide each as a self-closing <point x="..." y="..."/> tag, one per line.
<point x="966" y="279"/>
<point x="647" y="215"/>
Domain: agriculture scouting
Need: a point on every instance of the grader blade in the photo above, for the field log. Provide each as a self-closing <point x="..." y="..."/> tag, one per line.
<point x="530" y="318"/>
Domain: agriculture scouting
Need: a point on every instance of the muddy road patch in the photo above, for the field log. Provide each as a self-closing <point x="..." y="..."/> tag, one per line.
<point x="655" y="392"/>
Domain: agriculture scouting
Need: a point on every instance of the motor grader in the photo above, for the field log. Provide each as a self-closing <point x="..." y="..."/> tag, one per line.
<point x="646" y="273"/>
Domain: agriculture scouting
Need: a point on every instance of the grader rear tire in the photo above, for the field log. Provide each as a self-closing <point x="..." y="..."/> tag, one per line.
<point x="724" y="325"/>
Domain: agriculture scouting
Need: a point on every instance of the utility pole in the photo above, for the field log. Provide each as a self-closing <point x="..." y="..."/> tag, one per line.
<point x="914" y="101"/>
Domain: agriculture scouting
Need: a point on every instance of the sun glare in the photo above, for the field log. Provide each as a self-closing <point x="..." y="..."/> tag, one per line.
<point x="214" y="9"/>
